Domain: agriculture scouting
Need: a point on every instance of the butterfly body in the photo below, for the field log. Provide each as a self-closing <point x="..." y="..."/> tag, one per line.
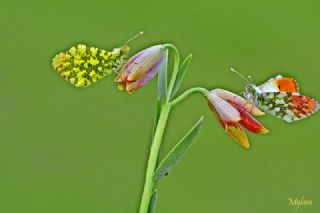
<point x="280" y="97"/>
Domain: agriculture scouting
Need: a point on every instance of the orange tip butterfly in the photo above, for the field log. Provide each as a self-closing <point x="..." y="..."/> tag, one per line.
<point x="280" y="97"/>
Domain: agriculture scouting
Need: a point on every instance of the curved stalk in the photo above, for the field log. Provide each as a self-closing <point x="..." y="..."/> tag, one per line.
<point x="187" y="93"/>
<point x="157" y="139"/>
<point x="175" y="68"/>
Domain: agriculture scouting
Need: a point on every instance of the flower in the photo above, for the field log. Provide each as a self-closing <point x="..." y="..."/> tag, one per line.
<point x="141" y="68"/>
<point x="232" y="111"/>
<point x="83" y="65"/>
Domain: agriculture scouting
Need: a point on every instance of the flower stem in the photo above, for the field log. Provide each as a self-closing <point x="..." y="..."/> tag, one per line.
<point x="157" y="139"/>
<point x="175" y="68"/>
<point x="149" y="181"/>
<point x="187" y="93"/>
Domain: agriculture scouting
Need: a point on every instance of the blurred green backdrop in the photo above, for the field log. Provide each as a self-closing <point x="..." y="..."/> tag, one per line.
<point x="68" y="150"/>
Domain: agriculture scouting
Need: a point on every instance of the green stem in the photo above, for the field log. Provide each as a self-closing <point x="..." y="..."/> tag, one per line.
<point x="175" y="69"/>
<point x="149" y="181"/>
<point x="157" y="139"/>
<point x="187" y="93"/>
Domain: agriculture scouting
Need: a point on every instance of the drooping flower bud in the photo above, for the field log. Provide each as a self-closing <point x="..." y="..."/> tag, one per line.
<point x="232" y="110"/>
<point x="141" y="68"/>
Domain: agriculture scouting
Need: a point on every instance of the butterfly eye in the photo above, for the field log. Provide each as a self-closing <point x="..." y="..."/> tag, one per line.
<point x="251" y="89"/>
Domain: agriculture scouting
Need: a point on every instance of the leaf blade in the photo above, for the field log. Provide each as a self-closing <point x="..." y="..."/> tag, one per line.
<point x="155" y="124"/>
<point x="162" y="79"/>
<point x="182" y="71"/>
<point x="153" y="201"/>
<point x="177" y="151"/>
<point x="156" y="118"/>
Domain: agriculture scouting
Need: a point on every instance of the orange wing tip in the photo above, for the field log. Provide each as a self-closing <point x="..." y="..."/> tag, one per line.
<point x="287" y="85"/>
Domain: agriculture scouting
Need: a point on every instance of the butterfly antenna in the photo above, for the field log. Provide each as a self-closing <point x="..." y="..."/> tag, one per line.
<point x="250" y="79"/>
<point x="242" y="76"/>
<point x="134" y="37"/>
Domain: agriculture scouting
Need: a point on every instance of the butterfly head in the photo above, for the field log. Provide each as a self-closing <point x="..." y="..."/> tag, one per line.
<point x="251" y="92"/>
<point x="251" y="89"/>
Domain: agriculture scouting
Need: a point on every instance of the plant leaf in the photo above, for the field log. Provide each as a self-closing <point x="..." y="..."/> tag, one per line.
<point x="155" y="124"/>
<point x="153" y="201"/>
<point x="177" y="151"/>
<point x="156" y="118"/>
<point x="162" y="79"/>
<point x="182" y="70"/>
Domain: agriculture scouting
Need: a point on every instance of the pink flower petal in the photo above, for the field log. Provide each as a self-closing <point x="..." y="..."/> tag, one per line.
<point x="238" y="101"/>
<point x="234" y="131"/>
<point x="140" y="68"/>
<point x="226" y="111"/>
<point x="251" y="124"/>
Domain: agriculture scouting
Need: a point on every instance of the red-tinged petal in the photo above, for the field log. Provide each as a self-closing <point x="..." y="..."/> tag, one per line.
<point x="121" y="85"/>
<point x="141" y="68"/>
<point x="223" y="125"/>
<point x="234" y="131"/>
<point x="251" y="124"/>
<point x="227" y="112"/>
<point x="125" y="71"/>
<point x="151" y="58"/>
<point x="238" y="101"/>
<point x="238" y="135"/>
<point x="134" y="85"/>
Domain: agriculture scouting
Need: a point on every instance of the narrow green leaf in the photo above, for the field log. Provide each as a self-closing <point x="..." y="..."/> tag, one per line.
<point x="182" y="70"/>
<point x="162" y="79"/>
<point x="156" y="118"/>
<point x="153" y="201"/>
<point x="177" y="151"/>
<point x="155" y="124"/>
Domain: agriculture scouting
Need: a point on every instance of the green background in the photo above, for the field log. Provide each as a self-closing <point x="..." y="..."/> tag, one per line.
<point x="69" y="150"/>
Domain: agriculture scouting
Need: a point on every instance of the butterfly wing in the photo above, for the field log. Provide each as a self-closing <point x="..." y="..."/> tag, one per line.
<point x="84" y="65"/>
<point x="289" y="106"/>
<point x="280" y="84"/>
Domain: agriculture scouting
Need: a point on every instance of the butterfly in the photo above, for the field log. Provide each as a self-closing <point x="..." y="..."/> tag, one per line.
<point x="280" y="97"/>
<point x="83" y="65"/>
